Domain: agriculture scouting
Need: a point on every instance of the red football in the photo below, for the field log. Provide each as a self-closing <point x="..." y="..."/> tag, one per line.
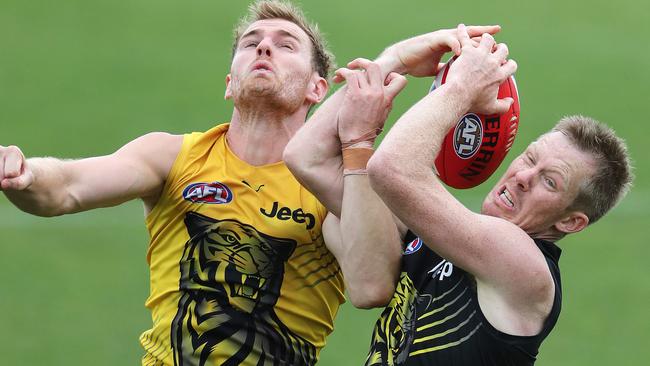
<point x="477" y="145"/>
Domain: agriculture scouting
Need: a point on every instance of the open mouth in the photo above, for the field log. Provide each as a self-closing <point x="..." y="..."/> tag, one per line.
<point x="506" y="197"/>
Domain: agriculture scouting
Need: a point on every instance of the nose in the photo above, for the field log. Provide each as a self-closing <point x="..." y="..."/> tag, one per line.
<point x="264" y="48"/>
<point x="524" y="178"/>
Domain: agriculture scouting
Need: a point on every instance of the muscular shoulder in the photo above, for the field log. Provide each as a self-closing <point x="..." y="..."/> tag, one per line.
<point x="152" y="156"/>
<point x="156" y="150"/>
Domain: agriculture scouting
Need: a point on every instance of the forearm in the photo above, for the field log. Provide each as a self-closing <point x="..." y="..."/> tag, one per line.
<point x="314" y="154"/>
<point x="389" y="61"/>
<point x="371" y="249"/>
<point x="47" y="195"/>
<point x="412" y="144"/>
<point x="402" y="170"/>
<point x="371" y="242"/>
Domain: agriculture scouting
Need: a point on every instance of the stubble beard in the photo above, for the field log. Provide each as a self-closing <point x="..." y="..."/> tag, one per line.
<point x="269" y="94"/>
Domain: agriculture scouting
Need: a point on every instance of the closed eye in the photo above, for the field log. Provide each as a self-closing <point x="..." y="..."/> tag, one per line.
<point x="530" y="159"/>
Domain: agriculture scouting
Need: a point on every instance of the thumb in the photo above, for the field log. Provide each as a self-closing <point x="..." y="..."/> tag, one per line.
<point x="455" y="46"/>
<point x="337" y="79"/>
<point x="394" y="84"/>
<point x="501" y="106"/>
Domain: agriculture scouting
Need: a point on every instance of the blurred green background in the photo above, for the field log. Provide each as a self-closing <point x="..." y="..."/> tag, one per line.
<point x="81" y="78"/>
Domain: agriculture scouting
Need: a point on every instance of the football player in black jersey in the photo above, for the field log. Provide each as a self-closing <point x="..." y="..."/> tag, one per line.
<point x="469" y="288"/>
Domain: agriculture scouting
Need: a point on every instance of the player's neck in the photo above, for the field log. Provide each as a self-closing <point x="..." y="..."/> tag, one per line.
<point x="259" y="138"/>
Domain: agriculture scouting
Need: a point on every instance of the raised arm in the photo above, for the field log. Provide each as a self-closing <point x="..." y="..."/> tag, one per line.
<point x="365" y="240"/>
<point x="421" y="55"/>
<point x="52" y="187"/>
<point x="314" y="153"/>
<point x="515" y="287"/>
<point x="370" y="245"/>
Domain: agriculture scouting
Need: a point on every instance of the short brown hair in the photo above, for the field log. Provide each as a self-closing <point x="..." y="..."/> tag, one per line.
<point x="322" y="58"/>
<point x="613" y="177"/>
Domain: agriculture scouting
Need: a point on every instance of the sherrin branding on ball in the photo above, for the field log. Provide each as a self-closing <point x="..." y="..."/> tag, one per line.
<point x="475" y="147"/>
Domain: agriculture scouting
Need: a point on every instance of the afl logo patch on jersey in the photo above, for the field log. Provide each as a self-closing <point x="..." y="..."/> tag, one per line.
<point x="468" y="136"/>
<point x="212" y="193"/>
<point x="413" y="246"/>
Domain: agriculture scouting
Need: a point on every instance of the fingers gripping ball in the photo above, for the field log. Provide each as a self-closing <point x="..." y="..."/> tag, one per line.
<point x="476" y="146"/>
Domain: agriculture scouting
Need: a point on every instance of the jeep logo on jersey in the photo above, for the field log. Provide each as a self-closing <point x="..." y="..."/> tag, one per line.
<point x="468" y="136"/>
<point x="285" y="213"/>
<point x="212" y="193"/>
<point x="413" y="246"/>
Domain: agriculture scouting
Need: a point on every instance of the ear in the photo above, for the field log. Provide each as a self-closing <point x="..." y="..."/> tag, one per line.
<point x="228" y="94"/>
<point x="317" y="89"/>
<point x="572" y="223"/>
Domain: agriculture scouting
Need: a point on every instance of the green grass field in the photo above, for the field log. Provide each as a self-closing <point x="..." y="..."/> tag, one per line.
<point x="81" y="78"/>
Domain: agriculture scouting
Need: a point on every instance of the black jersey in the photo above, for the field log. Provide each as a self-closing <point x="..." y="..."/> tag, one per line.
<point x="434" y="317"/>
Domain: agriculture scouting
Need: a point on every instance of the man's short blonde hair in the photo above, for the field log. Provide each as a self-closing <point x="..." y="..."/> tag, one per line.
<point x="613" y="176"/>
<point x="322" y="58"/>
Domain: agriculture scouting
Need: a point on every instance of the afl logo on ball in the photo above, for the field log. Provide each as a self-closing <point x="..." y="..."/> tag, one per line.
<point x="212" y="193"/>
<point x="468" y="136"/>
<point x="413" y="246"/>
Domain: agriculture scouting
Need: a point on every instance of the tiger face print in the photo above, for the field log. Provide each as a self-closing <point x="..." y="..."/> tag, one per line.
<point x="395" y="328"/>
<point x="231" y="275"/>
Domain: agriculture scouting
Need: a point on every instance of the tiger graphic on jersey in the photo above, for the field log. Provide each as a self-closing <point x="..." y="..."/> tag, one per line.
<point x="231" y="275"/>
<point x="395" y="328"/>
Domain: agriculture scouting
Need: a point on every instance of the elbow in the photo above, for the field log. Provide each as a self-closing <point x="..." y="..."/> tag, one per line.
<point x="289" y="155"/>
<point x="369" y="296"/>
<point x="293" y="157"/>
<point x="376" y="167"/>
<point x="384" y="171"/>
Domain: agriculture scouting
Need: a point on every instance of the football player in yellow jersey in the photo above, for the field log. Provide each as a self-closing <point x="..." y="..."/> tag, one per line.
<point x="238" y="267"/>
<point x="239" y="270"/>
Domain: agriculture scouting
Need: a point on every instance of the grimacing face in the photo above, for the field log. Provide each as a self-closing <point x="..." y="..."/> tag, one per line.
<point x="272" y="64"/>
<point x="540" y="185"/>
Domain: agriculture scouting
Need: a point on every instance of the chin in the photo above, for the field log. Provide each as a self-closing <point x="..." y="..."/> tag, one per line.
<point x="256" y="95"/>
<point x="260" y="89"/>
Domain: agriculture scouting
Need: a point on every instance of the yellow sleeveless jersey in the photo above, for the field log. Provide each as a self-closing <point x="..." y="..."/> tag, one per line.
<point x="239" y="270"/>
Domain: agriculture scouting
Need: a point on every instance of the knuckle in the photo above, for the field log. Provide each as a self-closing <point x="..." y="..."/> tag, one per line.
<point x="13" y="149"/>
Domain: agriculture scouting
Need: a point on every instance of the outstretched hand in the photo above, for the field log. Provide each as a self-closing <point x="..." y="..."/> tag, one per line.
<point x="14" y="173"/>
<point x="368" y="100"/>
<point x="479" y="70"/>
<point x="421" y="55"/>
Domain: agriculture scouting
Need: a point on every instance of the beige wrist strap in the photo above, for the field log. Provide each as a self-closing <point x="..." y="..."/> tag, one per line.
<point x="367" y="137"/>
<point x="355" y="160"/>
